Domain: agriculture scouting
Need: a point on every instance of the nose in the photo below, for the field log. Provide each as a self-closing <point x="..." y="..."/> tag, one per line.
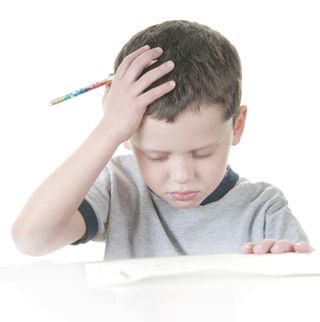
<point x="182" y="171"/>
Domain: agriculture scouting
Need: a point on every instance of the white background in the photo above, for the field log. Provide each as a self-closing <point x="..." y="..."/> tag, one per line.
<point x="49" y="48"/>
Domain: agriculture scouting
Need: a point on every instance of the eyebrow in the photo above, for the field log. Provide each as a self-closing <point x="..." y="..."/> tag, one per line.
<point x="207" y="146"/>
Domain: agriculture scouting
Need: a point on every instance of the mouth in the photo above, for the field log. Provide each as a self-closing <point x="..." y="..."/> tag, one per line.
<point x="183" y="196"/>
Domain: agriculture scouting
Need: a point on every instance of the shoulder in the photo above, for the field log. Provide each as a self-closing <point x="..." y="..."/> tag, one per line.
<point x="258" y="191"/>
<point x="119" y="171"/>
<point x="122" y="161"/>
<point x="123" y="170"/>
<point x="122" y="164"/>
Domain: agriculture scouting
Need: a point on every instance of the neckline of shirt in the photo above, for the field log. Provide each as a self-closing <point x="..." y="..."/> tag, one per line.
<point x="228" y="182"/>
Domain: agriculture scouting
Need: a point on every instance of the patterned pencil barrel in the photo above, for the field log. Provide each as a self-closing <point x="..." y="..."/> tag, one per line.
<point x="87" y="88"/>
<point x="81" y="91"/>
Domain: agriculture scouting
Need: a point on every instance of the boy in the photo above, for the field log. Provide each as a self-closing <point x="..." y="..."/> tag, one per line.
<point x="175" y="102"/>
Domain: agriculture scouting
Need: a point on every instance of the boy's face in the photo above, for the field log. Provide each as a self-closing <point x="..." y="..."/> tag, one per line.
<point x="183" y="162"/>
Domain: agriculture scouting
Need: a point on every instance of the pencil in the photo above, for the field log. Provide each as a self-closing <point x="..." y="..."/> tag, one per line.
<point x="81" y="91"/>
<point x="88" y="88"/>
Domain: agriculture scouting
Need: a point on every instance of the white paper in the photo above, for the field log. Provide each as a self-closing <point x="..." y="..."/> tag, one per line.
<point x="125" y="271"/>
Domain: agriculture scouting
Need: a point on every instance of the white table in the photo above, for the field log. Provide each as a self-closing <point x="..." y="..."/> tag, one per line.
<point x="204" y="288"/>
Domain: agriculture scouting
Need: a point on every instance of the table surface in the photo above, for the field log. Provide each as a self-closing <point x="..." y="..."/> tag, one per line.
<point x="188" y="288"/>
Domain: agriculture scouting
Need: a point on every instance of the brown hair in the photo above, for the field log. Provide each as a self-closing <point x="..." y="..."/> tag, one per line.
<point x="207" y="68"/>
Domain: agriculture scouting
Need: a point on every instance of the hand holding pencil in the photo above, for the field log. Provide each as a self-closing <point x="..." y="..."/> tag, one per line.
<point x="85" y="89"/>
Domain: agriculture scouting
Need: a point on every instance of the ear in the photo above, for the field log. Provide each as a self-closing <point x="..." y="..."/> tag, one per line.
<point x="127" y="145"/>
<point x="239" y="125"/>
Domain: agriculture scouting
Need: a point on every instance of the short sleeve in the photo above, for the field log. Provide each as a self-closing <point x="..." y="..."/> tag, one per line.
<point x="90" y="220"/>
<point x="280" y="222"/>
<point x="95" y="208"/>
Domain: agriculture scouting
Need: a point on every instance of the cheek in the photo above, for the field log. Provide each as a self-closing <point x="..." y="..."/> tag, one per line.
<point x="151" y="173"/>
<point x="212" y="172"/>
<point x="209" y="171"/>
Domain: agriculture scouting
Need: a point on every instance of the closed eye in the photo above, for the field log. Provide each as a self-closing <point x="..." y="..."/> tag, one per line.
<point x="159" y="159"/>
<point x="202" y="156"/>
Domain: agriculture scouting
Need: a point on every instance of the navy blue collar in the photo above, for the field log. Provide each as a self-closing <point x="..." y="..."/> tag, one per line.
<point x="227" y="183"/>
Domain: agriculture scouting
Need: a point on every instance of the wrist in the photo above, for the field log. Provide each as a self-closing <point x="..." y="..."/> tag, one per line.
<point x="109" y="133"/>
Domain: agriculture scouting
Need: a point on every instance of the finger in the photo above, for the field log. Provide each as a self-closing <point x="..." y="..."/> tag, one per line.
<point x="263" y="246"/>
<point x="153" y="94"/>
<point x="282" y="246"/>
<point x="303" y="247"/>
<point x="141" y="62"/>
<point x="247" y="248"/>
<point x="127" y="61"/>
<point x="150" y="77"/>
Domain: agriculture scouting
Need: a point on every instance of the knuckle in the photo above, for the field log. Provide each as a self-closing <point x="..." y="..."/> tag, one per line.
<point x="137" y="103"/>
<point x="147" y="78"/>
<point x="153" y="95"/>
<point x="125" y="60"/>
<point x="150" y="96"/>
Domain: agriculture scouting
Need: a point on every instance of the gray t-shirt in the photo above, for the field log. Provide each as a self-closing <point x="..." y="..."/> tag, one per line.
<point x="120" y="210"/>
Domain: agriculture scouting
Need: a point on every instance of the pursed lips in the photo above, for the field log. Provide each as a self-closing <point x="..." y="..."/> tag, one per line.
<point x="183" y="195"/>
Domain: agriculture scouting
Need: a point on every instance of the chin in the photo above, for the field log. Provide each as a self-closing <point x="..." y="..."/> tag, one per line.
<point x="184" y="204"/>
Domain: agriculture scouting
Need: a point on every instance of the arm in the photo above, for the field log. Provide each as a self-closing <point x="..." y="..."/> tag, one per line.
<point x="50" y="218"/>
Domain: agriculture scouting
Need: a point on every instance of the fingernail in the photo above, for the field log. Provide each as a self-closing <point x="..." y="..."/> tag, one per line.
<point x="276" y="249"/>
<point x="159" y="49"/>
<point x="172" y="83"/>
<point x="170" y="63"/>
<point x="258" y="249"/>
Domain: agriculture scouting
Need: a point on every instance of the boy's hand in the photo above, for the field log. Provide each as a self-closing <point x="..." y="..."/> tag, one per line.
<point x="125" y="101"/>
<point x="275" y="247"/>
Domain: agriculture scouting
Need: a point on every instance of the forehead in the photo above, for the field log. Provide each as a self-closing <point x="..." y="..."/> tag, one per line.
<point x="191" y="130"/>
